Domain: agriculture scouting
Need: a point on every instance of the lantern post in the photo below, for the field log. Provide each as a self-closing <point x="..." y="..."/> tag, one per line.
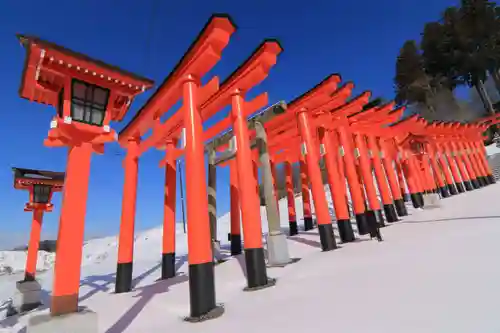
<point x="41" y="186"/>
<point x="87" y="95"/>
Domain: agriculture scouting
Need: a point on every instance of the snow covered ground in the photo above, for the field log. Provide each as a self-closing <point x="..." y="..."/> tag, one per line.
<point x="492" y="149"/>
<point x="436" y="271"/>
<point x="14" y="261"/>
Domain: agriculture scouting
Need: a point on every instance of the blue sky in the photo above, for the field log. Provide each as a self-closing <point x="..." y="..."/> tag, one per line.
<point x="358" y="39"/>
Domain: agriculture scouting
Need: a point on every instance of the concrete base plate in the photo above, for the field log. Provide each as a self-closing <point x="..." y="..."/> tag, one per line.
<point x="277" y="249"/>
<point x="83" y="321"/>
<point x="432" y="201"/>
<point x="27" y="297"/>
<point x="218" y="256"/>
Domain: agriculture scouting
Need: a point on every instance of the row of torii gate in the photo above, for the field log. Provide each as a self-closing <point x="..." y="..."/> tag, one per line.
<point x="371" y="150"/>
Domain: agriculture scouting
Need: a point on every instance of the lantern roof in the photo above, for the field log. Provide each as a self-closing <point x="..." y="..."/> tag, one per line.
<point x="24" y="179"/>
<point x="47" y="66"/>
<point x="38" y="174"/>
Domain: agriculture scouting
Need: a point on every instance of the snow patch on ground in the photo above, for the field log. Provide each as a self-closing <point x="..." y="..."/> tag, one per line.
<point x="12" y="262"/>
<point x="492" y="149"/>
<point x="100" y="250"/>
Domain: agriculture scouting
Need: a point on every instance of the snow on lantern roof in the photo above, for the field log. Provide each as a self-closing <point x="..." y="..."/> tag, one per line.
<point x="38" y="174"/>
<point x="48" y="65"/>
<point x="24" y="178"/>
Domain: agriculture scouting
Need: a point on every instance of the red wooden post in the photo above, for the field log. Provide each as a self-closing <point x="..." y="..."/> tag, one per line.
<point x="478" y="148"/>
<point x="235" y="235"/>
<point x="292" y="217"/>
<point x="455" y="155"/>
<point x="337" y="187"/>
<point x="383" y="186"/>
<point x="275" y="183"/>
<point x="462" y="156"/>
<point x="353" y="182"/>
<point x="481" y="170"/>
<point x="31" y="260"/>
<point x="40" y="190"/>
<point x="367" y="177"/>
<point x="450" y="183"/>
<point x="127" y="225"/>
<point x="250" y="208"/>
<point x="169" y="207"/>
<point x="444" y="149"/>
<point x="411" y="181"/>
<point x="470" y="164"/>
<point x="318" y="191"/>
<point x="398" y="164"/>
<point x="443" y="189"/>
<point x="306" y="201"/>
<point x="395" y="187"/>
<point x="201" y="270"/>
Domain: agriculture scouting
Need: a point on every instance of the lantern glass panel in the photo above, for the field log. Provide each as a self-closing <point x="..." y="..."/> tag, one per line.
<point x="88" y="103"/>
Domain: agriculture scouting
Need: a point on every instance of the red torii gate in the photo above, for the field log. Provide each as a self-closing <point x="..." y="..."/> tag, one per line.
<point x="461" y="144"/>
<point x="345" y="120"/>
<point x="284" y="137"/>
<point x="435" y="140"/>
<point x="468" y="140"/>
<point x="291" y="138"/>
<point x="285" y="147"/>
<point x="405" y="162"/>
<point x="337" y="118"/>
<point x="199" y="103"/>
<point x="475" y="142"/>
<point x="454" y="153"/>
<point x="333" y="101"/>
<point x="475" y="167"/>
<point x="277" y="133"/>
<point x="422" y="148"/>
<point x="321" y="96"/>
<point x="434" y="146"/>
<point x="377" y="133"/>
<point x="453" y="160"/>
<point x="423" y="165"/>
<point x="297" y="108"/>
<point x="368" y="125"/>
<point x="385" y="134"/>
<point x="54" y="76"/>
<point x="419" y="147"/>
<point x="418" y="181"/>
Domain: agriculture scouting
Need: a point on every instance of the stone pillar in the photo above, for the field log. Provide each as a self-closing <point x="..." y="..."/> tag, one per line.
<point x="277" y="248"/>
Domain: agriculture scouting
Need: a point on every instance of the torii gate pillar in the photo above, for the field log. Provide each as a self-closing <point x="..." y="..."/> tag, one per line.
<point x="292" y="216"/>
<point x="318" y="191"/>
<point x="168" y="246"/>
<point x="250" y="205"/>
<point x="306" y="197"/>
<point x="337" y="186"/>
<point x="235" y="233"/>
<point x="127" y="225"/>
